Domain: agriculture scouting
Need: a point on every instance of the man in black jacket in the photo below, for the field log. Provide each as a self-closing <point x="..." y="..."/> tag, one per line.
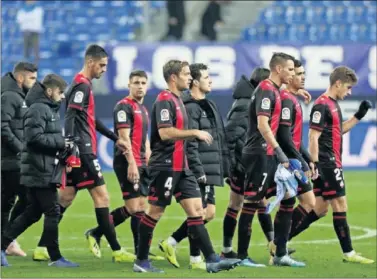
<point x="43" y="139"/>
<point x="209" y="163"/>
<point x="14" y="86"/>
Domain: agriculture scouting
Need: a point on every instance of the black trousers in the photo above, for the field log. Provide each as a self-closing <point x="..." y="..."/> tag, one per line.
<point x="40" y="201"/>
<point x="10" y="189"/>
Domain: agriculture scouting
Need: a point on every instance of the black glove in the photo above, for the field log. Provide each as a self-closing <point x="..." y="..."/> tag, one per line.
<point x="363" y="109"/>
<point x="281" y="155"/>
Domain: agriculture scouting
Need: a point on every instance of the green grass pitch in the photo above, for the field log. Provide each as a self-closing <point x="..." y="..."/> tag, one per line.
<point x="318" y="246"/>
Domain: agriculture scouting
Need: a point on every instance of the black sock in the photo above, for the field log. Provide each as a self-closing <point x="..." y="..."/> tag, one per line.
<point x="118" y="216"/>
<point x="305" y="223"/>
<point x="135" y="223"/>
<point x="342" y="231"/>
<point x="146" y="228"/>
<point x="194" y="246"/>
<point x="265" y="221"/>
<point x="282" y="225"/>
<point x="43" y="239"/>
<point x="200" y="237"/>
<point x="106" y="226"/>
<point x="229" y="226"/>
<point x="244" y="228"/>
<point x="298" y="216"/>
<point x="180" y="233"/>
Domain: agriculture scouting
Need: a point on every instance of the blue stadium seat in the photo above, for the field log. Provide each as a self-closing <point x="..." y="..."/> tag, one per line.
<point x="370" y="3"/>
<point x="298" y="32"/>
<point x="295" y="14"/>
<point x="277" y="33"/>
<point x="315" y="14"/>
<point x="371" y="14"/>
<point x="339" y="33"/>
<point x="318" y="33"/>
<point x="356" y="14"/>
<point x="257" y="33"/>
<point x="372" y="32"/>
<point x="118" y="4"/>
<point x="359" y="32"/>
<point x="273" y="15"/>
<point x="336" y="14"/>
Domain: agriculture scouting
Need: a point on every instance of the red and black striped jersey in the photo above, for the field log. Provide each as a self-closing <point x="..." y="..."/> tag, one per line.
<point x="264" y="101"/>
<point x="128" y="113"/>
<point x="291" y="115"/>
<point x="80" y="114"/>
<point x="168" y="111"/>
<point x="326" y="116"/>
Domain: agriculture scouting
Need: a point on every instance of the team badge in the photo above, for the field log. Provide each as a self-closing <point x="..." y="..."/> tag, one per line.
<point x="266" y="103"/>
<point x="164" y="115"/>
<point x="79" y="96"/>
<point x="122" y="116"/>
<point x="286" y="114"/>
<point x="316" y="117"/>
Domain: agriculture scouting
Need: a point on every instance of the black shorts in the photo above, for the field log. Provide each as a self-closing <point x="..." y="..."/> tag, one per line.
<point x="165" y="184"/>
<point x="260" y="174"/>
<point x="87" y="176"/>
<point x="237" y="182"/>
<point x="303" y="187"/>
<point x="208" y="195"/>
<point x="131" y="190"/>
<point x="330" y="184"/>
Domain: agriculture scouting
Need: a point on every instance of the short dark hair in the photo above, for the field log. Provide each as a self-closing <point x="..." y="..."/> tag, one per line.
<point x="173" y="67"/>
<point x="53" y="81"/>
<point x="25" y="66"/>
<point x="138" y="73"/>
<point x="278" y="58"/>
<point x="196" y="73"/>
<point x="95" y="52"/>
<point x="258" y="75"/>
<point x="297" y="63"/>
<point x="344" y="74"/>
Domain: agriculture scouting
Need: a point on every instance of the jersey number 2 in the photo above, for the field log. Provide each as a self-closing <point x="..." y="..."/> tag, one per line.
<point x="339" y="176"/>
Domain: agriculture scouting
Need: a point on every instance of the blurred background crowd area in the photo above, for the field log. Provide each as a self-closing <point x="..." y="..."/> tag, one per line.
<point x="54" y="34"/>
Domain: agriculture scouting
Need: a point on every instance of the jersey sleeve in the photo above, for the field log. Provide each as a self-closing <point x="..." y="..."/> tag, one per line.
<point x="287" y="112"/>
<point x="264" y="101"/>
<point x="317" y="117"/>
<point x="123" y="116"/>
<point x="164" y="114"/>
<point x="79" y="97"/>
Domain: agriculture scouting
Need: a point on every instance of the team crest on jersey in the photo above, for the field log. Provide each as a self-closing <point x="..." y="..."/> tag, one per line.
<point x="316" y="117"/>
<point x="122" y="116"/>
<point x="266" y="103"/>
<point x="286" y="114"/>
<point x="79" y="96"/>
<point x="164" y="115"/>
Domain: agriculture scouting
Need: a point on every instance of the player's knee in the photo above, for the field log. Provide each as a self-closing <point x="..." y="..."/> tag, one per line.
<point x="155" y="212"/>
<point x="210" y="213"/>
<point x="65" y="200"/>
<point x="102" y="200"/>
<point x="339" y="204"/>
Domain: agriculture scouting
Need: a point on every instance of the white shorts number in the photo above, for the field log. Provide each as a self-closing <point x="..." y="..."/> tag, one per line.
<point x="339" y="176"/>
<point x="168" y="183"/>
<point x="264" y="178"/>
<point x="96" y="165"/>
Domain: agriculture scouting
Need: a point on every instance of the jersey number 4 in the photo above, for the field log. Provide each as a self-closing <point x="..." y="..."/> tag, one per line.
<point x="168" y="183"/>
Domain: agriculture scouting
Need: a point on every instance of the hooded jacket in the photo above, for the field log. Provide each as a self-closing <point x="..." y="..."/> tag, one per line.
<point x="42" y="138"/>
<point x="209" y="160"/>
<point x="237" y="122"/>
<point x="13" y="109"/>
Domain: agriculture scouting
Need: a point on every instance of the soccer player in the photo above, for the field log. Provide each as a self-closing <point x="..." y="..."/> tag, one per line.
<point x="131" y="123"/>
<point x="209" y="163"/>
<point x="325" y="146"/>
<point x="80" y="122"/>
<point x="43" y="139"/>
<point x="289" y="136"/>
<point x="262" y="153"/>
<point x="169" y="173"/>
<point x="236" y="128"/>
<point x="14" y="86"/>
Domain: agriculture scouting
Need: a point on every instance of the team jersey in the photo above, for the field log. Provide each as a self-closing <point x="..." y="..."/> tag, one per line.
<point x="129" y="114"/>
<point x="80" y="113"/>
<point x="291" y="115"/>
<point x="265" y="101"/>
<point x="326" y="117"/>
<point x="168" y="111"/>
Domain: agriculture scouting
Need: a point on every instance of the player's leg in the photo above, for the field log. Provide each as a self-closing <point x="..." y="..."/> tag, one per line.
<point x="31" y="215"/>
<point x="337" y="196"/>
<point x="236" y="182"/>
<point x="265" y="221"/>
<point x="8" y="197"/>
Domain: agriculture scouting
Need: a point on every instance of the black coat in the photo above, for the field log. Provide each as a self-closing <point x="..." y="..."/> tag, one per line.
<point x="237" y="122"/>
<point x="43" y="138"/>
<point x="210" y="160"/>
<point x="13" y="109"/>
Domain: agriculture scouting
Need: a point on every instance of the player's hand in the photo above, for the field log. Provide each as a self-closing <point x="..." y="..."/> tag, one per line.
<point x="68" y="169"/>
<point x="123" y="145"/>
<point x="202" y="179"/>
<point x="283" y="159"/>
<point x="313" y="171"/>
<point x="305" y="94"/>
<point x="316" y="173"/>
<point x="133" y="173"/>
<point x="204" y="136"/>
<point x="363" y="109"/>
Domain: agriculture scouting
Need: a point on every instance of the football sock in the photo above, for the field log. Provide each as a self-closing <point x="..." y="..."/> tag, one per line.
<point x="146" y="228"/>
<point x="107" y="227"/>
<point x="265" y="221"/>
<point x="244" y="228"/>
<point x="342" y="231"/>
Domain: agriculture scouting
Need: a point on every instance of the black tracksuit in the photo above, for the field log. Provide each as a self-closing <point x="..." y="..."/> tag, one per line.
<point x="13" y="108"/>
<point x="43" y="139"/>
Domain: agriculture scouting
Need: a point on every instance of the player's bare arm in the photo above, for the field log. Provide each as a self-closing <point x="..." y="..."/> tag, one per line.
<point x="266" y="132"/>
<point x="132" y="172"/>
<point x="313" y="144"/>
<point x="172" y="133"/>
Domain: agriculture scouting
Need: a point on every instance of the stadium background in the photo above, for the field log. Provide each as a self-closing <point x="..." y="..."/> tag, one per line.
<point x="324" y="34"/>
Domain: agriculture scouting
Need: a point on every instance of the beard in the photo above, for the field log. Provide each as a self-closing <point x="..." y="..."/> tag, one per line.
<point x="25" y="89"/>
